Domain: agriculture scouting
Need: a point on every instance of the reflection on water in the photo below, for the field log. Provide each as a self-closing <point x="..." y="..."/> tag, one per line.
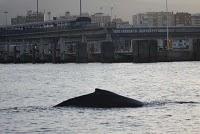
<point x="28" y="93"/>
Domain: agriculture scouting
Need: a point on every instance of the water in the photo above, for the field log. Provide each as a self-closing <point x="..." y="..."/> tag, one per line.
<point x="28" y="92"/>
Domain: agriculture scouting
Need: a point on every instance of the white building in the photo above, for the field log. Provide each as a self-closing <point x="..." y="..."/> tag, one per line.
<point x="196" y="19"/>
<point x="67" y="16"/>
<point x="101" y="19"/>
<point x="154" y="19"/>
<point x="120" y="21"/>
<point x="30" y="17"/>
<point x="183" y="19"/>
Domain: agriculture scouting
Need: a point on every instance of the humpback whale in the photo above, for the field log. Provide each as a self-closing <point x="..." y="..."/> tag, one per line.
<point x="101" y="99"/>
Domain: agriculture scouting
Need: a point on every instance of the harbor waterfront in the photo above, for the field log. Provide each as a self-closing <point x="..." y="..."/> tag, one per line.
<point x="28" y="93"/>
<point x="99" y="67"/>
<point x="80" y="40"/>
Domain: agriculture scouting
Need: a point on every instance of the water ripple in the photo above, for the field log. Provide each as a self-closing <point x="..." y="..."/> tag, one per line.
<point x="170" y="92"/>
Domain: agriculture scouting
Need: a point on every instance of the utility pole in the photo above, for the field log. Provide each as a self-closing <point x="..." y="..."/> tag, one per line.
<point x="167" y="23"/>
<point x="111" y="12"/>
<point x="80" y="8"/>
<point x="37" y="11"/>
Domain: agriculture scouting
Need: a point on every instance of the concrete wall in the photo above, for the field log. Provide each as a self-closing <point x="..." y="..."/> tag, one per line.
<point x="179" y="55"/>
<point x="145" y="50"/>
<point x="64" y="50"/>
<point x="107" y="51"/>
<point x="94" y="51"/>
<point x="81" y="52"/>
<point x="196" y="48"/>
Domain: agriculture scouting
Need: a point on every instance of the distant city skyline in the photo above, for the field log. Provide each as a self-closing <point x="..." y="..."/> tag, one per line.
<point x="123" y="9"/>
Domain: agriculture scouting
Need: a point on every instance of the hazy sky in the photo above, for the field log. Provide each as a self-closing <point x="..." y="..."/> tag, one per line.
<point x="122" y="8"/>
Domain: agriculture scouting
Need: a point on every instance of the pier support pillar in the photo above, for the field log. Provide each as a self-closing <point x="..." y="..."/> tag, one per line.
<point x="6" y="53"/>
<point x="55" y="51"/>
<point x="145" y="50"/>
<point x="34" y="48"/>
<point x="62" y="47"/>
<point x="107" y="52"/>
<point x="15" y="54"/>
<point x="196" y="49"/>
<point x="41" y="49"/>
<point x="81" y="52"/>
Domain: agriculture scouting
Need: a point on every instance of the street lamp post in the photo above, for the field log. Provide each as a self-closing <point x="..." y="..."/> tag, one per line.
<point x="111" y="12"/>
<point x="37" y="11"/>
<point x="80" y="8"/>
<point x="167" y="23"/>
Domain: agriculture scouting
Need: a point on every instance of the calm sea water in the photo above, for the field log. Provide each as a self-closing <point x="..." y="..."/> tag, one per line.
<point x="28" y="92"/>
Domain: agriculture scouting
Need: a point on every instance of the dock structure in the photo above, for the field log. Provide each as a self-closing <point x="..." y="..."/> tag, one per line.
<point x="81" y="52"/>
<point x="145" y="50"/>
<point x="196" y="49"/>
<point x="107" y="52"/>
<point x="87" y="42"/>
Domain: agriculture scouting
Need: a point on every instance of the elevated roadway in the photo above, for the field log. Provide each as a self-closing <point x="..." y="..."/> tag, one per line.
<point x="99" y="33"/>
<point x="156" y="32"/>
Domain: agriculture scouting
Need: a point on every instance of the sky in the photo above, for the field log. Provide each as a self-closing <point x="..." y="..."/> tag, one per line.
<point x="121" y="8"/>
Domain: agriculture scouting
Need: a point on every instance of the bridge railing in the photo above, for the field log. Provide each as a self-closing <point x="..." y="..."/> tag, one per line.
<point x="19" y="31"/>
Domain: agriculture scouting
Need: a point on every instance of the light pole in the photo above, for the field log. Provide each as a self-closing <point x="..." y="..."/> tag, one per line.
<point x="111" y="12"/>
<point x="37" y="10"/>
<point x="167" y="23"/>
<point x="80" y="8"/>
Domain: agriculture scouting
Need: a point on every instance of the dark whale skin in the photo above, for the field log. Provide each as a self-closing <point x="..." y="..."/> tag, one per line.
<point x="101" y="99"/>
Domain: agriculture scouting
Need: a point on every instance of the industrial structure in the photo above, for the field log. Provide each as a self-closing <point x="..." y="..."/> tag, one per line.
<point x="161" y="18"/>
<point x="30" y="17"/>
<point x="80" y="40"/>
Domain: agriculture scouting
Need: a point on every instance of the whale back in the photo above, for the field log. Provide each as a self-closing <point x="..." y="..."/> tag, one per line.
<point x="104" y="92"/>
<point x="101" y="99"/>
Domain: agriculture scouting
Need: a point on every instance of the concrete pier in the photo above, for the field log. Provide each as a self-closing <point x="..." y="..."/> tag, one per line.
<point x="107" y="52"/>
<point x="196" y="49"/>
<point x="55" y="51"/>
<point x="81" y="52"/>
<point x="145" y="50"/>
<point x="179" y="56"/>
<point x="15" y="52"/>
<point x="53" y="54"/>
<point x="94" y="51"/>
<point x="34" y="48"/>
<point x="59" y="42"/>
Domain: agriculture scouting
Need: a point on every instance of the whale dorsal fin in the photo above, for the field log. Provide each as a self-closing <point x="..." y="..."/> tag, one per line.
<point x="103" y="92"/>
